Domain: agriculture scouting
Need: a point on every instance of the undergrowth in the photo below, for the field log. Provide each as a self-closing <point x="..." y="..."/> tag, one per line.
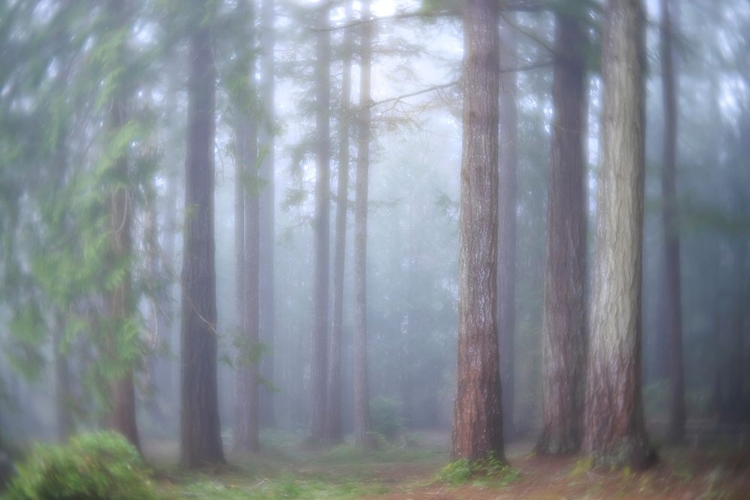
<point x="489" y="469"/>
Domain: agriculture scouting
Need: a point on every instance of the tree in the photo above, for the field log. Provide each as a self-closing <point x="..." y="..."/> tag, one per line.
<point x="120" y="298"/>
<point x="564" y="327"/>
<point x="241" y="89"/>
<point x="335" y="429"/>
<point x="669" y="219"/>
<point x="477" y="417"/>
<point x="361" y="389"/>
<point x="614" y="424"/>
<point x="506" y="231"/>
<point x="266" y="142"/>
<point x="200" y="433"/>
<point x="318" y="378"/>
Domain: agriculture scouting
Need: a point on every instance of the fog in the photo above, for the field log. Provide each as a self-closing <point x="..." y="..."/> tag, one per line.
<point x="99" y="111"/>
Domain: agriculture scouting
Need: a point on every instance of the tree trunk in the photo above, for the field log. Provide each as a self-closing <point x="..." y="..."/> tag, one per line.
<point x="200" y="431"/>
<point x="614" y="425"/>
<point x="251" y="366"/>
<point x="318" y="378"/>
<point x="120" y="300"/>
<point x="361" y="387"/>
<point x="564" y="327"/>
<point x="247" y="234"/>
<point x="335" y="431"/>
<point x="477" y="417"/>
<point x="671" y="237"/>
<point x="506" y="231"/>
<point x="267" y="237"/>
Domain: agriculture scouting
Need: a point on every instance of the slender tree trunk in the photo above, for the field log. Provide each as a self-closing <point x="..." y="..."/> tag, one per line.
<point x="247" y="234"/>
<point x="564" y="327"/>
<point x="506" y="231"/>
<point x="241" y="410"/>
<point x="251" y="365"/>
<point x="615" y="432"/>
<point x="477" y="416"/>
<point x="319" y="366"/>
<point x="200" y="429"/>
<point x="361" y="385"/>
<point x="120" y="300"/>
<point x="672" y="239"/>
<point x="266" y="140"/>
<point x="335" y="430"/>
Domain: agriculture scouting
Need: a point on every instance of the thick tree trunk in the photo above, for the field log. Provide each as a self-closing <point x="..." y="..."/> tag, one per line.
<point x="506" y="231"/>
<point x="564" y="327"/>
<point x="318" y="378"/>
<point x="200" y="431"/>
<point x="614" y="425"/>
<point x="361" y="387"/>
<point x="120" y="300"/>
<point x="335" y="431"/>
<point x="266" y="140"/>
<point x="672" y="240"/>
<point x="477" y="416"/>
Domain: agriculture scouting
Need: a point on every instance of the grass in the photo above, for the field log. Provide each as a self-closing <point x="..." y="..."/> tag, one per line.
<point x="284" y="471"/>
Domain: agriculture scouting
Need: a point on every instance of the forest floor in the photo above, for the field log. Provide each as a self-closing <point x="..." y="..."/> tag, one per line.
<point x="714" y="468"/>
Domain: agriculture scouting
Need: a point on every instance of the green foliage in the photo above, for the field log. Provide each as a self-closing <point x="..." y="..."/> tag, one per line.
<point x="385" y="417"/>
<point x="492" y="468"/>
<point x="91" y="466"/>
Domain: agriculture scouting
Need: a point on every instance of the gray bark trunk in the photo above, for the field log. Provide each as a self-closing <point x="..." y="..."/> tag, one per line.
<point x="614" y="425"/>
<point x="319" y="366"/>
<point x="361" y="388"/>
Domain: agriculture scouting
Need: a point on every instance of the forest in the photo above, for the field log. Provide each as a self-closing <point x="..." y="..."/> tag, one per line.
<point x="382" y="249"/>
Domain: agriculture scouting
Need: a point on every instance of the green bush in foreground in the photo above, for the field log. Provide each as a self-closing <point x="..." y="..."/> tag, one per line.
<point x="101" y="466"/>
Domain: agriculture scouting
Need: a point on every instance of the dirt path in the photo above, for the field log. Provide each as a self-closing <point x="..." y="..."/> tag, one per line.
<point x="409" y="472"/>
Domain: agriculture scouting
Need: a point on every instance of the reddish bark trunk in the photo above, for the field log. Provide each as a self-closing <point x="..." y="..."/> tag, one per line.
<point x="477" y="416"/>
<point x="200" y="430"/>
<point x="564" y="332"/>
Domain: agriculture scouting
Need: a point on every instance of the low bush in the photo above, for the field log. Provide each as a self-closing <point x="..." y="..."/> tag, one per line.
<point x="385" y="417"/>
<point x="90" y="467"/>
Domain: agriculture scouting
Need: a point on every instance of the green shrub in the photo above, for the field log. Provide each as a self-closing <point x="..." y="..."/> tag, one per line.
<point x="91" y="467"/>
<point x="385" y="418"/>
<point x="462" y="470"/>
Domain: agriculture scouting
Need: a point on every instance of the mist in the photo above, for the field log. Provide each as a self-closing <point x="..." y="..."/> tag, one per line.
<point x="276" y="233"/>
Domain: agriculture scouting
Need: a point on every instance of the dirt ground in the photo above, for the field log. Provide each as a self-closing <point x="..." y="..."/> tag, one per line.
<point x="700" y="469"/>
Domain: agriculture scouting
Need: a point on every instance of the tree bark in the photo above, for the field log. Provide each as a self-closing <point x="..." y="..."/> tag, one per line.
<point x="247" y="235"/>
<point x="506" y="259"/>
<point x="200" y="431"/>
<point x="361" y="387"/>
<point x="564" y="326"/>
<point x="335" y="431"/>
<point x="318" y="378"/>
<point x="477" y="417"/>
<point x="266" y="141"/>
<point x="672" y="240"/>
<point x="614" y="425"/>
<point x="120" y="300"/>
